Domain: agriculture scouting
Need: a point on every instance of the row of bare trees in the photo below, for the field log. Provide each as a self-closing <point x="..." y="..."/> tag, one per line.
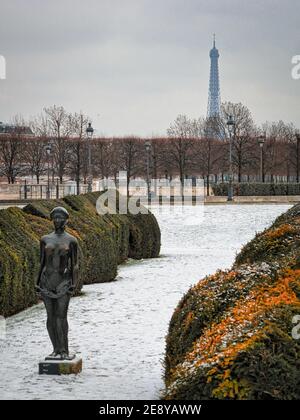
<point x="191" y="148"/>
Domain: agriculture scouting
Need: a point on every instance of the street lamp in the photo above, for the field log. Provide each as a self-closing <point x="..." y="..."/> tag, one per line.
<point x="231" y="126"/>
<point x="261" y="142"/>
<point x="297" y="154"/>
<point x="48" y="151"/>
<point x="148" y="149"/>
<point x="90" y="132"/>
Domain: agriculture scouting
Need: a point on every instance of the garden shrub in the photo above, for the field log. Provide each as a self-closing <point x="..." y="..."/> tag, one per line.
<point x="257" y="189"/>
<point x="230" y="337"/>
<point x="104" y="242"/>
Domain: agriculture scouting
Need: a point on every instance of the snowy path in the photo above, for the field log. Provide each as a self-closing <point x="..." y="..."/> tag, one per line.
<point x="119" y="328"/>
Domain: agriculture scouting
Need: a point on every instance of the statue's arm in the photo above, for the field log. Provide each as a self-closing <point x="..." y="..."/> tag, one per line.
<point x="74" y="263"/>
<point x="42" y="262"/>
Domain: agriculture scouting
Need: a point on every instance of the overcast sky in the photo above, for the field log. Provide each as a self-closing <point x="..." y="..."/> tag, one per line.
<point x="134" y="65"/>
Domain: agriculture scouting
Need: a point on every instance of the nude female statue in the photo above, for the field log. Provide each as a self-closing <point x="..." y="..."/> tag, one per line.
<point x="57" y="280"/>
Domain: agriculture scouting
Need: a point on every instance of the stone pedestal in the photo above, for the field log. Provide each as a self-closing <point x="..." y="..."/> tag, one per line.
<point x="60" y="367"/>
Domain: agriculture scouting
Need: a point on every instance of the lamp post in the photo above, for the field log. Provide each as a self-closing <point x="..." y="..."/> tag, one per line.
<point x="297" y="154"/>
<point x="231" y="126"/>
<point x="48" y="151"/>
<point x="148" y="149"/>
<point x="261" y="142"/>
<point x="90" y="132"/>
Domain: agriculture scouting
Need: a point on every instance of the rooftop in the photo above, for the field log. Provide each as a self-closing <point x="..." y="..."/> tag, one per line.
<point x="9" y="128"/>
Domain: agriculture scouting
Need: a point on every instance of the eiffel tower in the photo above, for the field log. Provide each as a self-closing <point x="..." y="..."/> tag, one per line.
<point x="214" y="100"/>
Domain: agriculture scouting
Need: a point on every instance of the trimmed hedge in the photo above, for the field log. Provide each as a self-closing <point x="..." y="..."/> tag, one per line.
<point x="258" y="189"/>
<point x="104" y="241"/>
<point x="19" y="259"/>
<point x="231" y="335"/>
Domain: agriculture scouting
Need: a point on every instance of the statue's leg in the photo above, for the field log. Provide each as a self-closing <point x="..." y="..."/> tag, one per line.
<point x="51" y="324"/>
<point x="62" y="305"/>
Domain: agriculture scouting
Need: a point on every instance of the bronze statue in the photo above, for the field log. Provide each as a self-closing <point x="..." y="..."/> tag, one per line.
<point x="57" y="280"/>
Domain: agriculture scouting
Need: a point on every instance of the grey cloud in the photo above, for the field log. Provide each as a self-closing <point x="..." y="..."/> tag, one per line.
<point x="138" y="63"/>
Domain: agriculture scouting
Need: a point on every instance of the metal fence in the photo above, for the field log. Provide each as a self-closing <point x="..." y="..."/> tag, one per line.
<point x="28" y="191"/>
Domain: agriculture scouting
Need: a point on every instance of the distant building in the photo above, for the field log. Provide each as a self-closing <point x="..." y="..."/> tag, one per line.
<point x="9" y="128"/>
<point x="214" y="99"/>
<point x="213" y="127"/>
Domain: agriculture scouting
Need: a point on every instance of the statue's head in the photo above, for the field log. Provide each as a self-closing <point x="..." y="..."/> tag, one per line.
<point x="59" y="216"/>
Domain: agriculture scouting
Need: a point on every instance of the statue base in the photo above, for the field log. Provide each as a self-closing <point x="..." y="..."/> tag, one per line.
<point x="58" y="357"/>
<point x="60" y="367"/>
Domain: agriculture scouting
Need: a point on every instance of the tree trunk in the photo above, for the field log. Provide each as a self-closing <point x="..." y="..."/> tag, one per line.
<point x="77" y="185"/>
<point x="207" y="185"/>
<point x="240" y="174"/>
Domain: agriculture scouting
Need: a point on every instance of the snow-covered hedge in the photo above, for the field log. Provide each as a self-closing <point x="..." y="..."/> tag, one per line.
<point x="105" y="241"/>
<point x="231" y="335"/>
<point x="258" y="189"/>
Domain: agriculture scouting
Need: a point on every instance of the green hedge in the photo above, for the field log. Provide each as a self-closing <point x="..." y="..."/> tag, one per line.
<point x="258" y="189"/>
<point x="231" y="335"/>
<point x="19" y="259"/>
<point x="105" y="241"/>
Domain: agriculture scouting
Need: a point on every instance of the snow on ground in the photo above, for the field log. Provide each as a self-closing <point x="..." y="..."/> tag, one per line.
<point x="119" y="328"/>
<point x="6" y="206"/>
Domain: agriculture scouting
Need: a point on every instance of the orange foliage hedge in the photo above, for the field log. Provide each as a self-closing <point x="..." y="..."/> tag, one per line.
<point x="231" y="335"/>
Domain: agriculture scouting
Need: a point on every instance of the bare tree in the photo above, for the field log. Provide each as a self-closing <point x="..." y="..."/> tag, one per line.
<point x="77" y="161"/>
<point x="130" y="150"/>
<point x="104" y="157"/>
<point x="158" y="165"/>
<point x="179" y="148"/>
<point x="12" y="146"/>
<point x="35" y="156"/>
<point x="280" y="148"/>
<point x="243" y="149"/>
<point x="209" y="153"/>
<point x="35" y="152"/>
<point x="60" y="129"/>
